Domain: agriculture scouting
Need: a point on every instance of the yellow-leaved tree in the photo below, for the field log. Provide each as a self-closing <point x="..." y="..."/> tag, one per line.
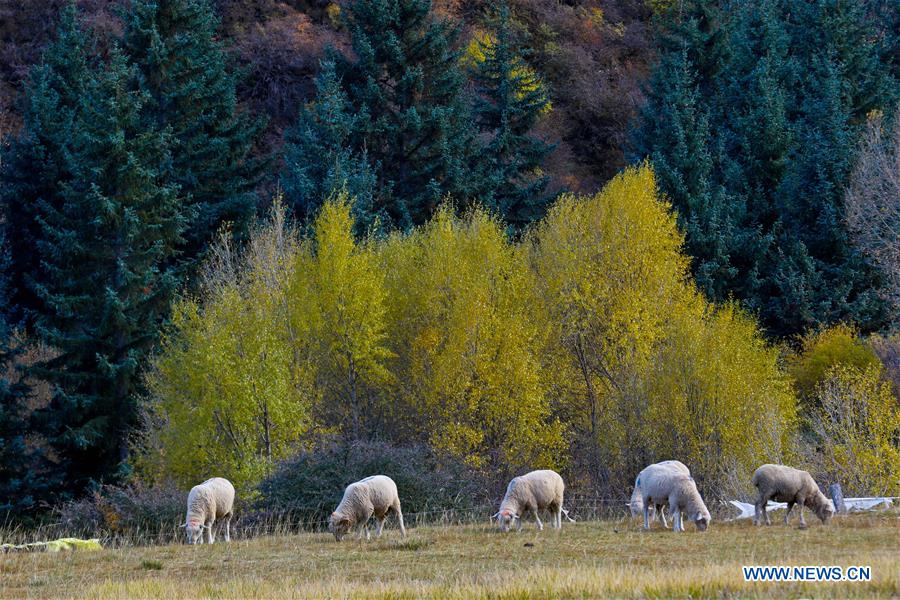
<point x="644" y="368"/>
<point x="468" y="376"/>
<point x="583" y="347"/>
<point x="608" y="271"/>
<point x="715" y="396"/>
<point x="858" y="424"/>
<point x="228" y="396"/>
<point x="337" y="315"/>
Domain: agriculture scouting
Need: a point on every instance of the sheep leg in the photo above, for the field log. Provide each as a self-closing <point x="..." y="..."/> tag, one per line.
<point x="661" y="511"/>
<point x="379" y="525"/>
<point x="400" y="519"/>
<point x="675" y="512"/>
<point x="787" y="513"/>
<point x="537" y="519"/>
<point x="559" y="517"/>
<point x="210" y="536"/>
<point x="757" y="513"/>
<point x="395" y="508"/>
<point x="646" y="515"/>
<point x="763" y="512"/>
<point x="802" y="520"/>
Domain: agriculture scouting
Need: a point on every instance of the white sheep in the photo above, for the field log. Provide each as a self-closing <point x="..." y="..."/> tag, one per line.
<point x="375" y="495"/>
<point x="533" y="492"/>
<point x="637" y="502"/>
<point x="208" y="502"/>
<point x="786" y="484"/>
<point x="661" y="484"/>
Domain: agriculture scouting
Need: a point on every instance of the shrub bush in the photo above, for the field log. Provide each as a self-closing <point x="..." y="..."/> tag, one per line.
<point x="858" y="426"/>
<point x="310" y="485"/>
<point x="824" y="349"/>
<point x="135" y="511"/>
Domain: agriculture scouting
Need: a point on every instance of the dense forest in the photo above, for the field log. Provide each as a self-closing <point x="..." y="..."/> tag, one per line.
<point x="248" y="238"/>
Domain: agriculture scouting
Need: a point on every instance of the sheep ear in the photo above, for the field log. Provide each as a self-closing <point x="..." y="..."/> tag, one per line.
<point x="495" y="515"/>
<point x="182" y="526"/>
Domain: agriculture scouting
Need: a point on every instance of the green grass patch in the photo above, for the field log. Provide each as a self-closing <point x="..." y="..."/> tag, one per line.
<point x="151" y="565"/>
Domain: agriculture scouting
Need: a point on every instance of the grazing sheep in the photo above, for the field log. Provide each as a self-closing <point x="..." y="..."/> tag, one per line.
<point x="376" y="495"/>
<point x="211" y="500"/>
<point x="637" y="502"/>
<point x="533" y="492"/>
<point x="665" y="483"/>
<point x="786" y="484"/>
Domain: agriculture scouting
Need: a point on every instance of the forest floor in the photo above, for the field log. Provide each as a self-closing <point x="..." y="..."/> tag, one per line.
<point x="591" y="559"/>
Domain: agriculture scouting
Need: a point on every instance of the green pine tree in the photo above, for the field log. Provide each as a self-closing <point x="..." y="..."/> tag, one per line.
<point x="675" y="135"/>
<point x="781" y="88"/>
<point x="836" y="79"/>
<point x="183" y="69"/>
<point x="318" y="158"/>
<point x="511" y="98"/>
<point x="34" y="162"/>
<point x="106" y="281"/>
<point x="405" y="84"/>
<point x="23" y="473"/>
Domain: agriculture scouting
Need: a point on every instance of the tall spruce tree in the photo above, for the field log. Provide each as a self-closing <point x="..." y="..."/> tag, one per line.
<point x="510" y="99"/>
<point x="783" y="86"/>
<point x="405" y="85"/>
<point x="675" y="132"/>
<point x="23" y="473"/>
<point x="183" y="69"/>
<point x="34" y="162"/>
<point x="106" y="280"/>
<point x="318" y="157"/>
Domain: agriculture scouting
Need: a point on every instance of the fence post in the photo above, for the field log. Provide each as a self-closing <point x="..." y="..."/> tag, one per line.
<point x="838" y="497"/>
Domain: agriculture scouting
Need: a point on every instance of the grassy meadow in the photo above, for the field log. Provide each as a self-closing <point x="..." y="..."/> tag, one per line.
<point x="590" y="559"/>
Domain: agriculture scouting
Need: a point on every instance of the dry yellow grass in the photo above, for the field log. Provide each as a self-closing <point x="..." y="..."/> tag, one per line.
<point x="613" y="559"/>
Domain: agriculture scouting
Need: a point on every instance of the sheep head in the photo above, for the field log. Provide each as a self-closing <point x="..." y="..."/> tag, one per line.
<point x="701" y="520"/>
<point x="339" y="525"/>
<point x="824" y="508"/>
<point x="506" y="519"/>
<point x="193" y="531"/>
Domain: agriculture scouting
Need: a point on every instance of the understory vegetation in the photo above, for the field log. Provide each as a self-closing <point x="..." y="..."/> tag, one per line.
<point x="295" y="243"/>
<point x="584" y="347"/>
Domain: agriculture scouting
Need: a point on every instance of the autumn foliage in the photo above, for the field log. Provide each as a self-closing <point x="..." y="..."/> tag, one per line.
<point x="583" y="347"/>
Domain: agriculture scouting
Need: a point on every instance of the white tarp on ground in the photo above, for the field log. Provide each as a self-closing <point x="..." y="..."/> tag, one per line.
<point x="852" y="504"/>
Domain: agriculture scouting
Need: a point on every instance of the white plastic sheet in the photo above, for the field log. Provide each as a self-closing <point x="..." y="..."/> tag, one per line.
<point x="852" y="504"/>
<point x="861" y="504"/>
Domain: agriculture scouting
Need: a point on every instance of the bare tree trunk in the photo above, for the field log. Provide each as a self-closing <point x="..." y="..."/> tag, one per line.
<point x="354" y="400"/>
<point x="592" y="402"/>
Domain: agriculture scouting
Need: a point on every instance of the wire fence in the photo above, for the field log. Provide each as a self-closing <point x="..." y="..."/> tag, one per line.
<point x="274" y="522"/>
